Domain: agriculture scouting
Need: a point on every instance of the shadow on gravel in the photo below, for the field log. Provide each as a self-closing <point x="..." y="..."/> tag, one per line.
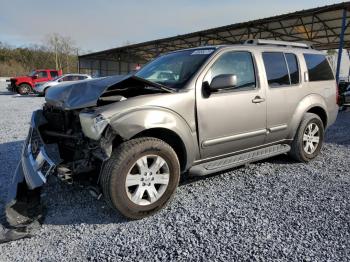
<point x="6" y="93"/>
<point x="339" y="133"/>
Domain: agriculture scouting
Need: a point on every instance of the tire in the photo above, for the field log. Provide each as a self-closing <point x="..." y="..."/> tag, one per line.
<point x="24" y="89"/>
<point x="125" y="164"/>
<point x="299" y="149"/>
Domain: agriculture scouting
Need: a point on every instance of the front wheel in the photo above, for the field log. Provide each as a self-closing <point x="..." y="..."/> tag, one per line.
<point x="24" y="89"/>
<point x="308" y="140"/>
<point x="140" y="177"/>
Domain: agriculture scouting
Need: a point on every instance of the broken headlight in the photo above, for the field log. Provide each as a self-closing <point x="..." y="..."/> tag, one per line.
<point x="92" y="125"/>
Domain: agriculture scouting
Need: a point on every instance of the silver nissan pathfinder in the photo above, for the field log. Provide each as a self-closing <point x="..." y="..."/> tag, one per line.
<point x="195" y="111"/>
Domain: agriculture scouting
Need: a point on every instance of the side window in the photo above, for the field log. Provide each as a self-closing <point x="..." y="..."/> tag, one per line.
<point x="292" y="63"/>
<point x="276" y="69"/>
<point x="42" y="74"/>
<point x="53" y="74"/>
<point x="66" y="78"/>
<point x="318" y="67"/>
<point x="237" y="63"/>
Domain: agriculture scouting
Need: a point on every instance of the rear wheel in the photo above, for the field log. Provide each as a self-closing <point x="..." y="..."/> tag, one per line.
<point x="141" y="177"/>
<point x="24" y="89"/>
<point x="308" y="140"/>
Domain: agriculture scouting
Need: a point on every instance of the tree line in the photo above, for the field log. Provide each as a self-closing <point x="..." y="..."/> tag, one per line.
<point x="56" y="52"/>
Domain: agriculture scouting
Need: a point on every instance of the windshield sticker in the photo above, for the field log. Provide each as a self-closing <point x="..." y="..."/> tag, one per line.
<point x="203" y="52"/>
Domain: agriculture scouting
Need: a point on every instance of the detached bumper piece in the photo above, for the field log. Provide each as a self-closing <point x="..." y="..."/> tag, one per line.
<point x="24" y="212"/>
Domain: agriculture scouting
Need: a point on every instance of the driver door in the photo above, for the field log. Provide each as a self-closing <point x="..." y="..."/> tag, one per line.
<point x="231" y="119"/>
<point x="42" y="76"/>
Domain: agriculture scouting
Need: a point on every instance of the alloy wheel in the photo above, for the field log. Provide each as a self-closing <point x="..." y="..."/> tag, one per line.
<point x="147" y="180"/>
<point x="311" y="138"/>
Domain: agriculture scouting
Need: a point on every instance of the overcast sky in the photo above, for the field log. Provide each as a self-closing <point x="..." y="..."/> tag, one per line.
<point x="100" y="24"/>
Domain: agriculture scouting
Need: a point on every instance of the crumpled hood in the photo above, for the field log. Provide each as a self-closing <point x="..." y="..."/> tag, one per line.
<point x="86" y="93"/>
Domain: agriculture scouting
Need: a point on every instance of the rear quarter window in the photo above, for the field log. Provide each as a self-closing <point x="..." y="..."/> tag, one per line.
<point x="318" y="67"/>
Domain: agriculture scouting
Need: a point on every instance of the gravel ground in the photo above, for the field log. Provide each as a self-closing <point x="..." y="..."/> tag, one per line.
<point x="272" y="210"/>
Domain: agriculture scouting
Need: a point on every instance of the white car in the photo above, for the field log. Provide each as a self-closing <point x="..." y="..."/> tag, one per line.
<point x="41" y="88"/>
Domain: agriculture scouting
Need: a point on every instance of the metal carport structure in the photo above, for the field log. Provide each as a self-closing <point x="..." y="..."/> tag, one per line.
<point x="324" y="27"/>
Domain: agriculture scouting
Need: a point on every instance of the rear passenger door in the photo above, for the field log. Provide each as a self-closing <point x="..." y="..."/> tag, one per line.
<point x="283" y="80"/>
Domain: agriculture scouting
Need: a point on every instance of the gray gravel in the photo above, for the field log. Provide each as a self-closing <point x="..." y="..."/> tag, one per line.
<point x="274" y="209"/>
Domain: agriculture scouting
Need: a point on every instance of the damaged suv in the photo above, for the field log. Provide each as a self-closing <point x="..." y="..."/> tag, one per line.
<point x="211" y="108"/>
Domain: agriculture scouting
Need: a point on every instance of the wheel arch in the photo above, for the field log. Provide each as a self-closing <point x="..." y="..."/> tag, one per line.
<point x="313" y="103"/>
<point x="169" y="137"/>
<point x="25" y="83"/>
<point x="159" y="123"/>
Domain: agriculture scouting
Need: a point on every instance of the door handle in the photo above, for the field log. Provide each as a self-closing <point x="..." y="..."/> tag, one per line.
<point x="258" y="99"/>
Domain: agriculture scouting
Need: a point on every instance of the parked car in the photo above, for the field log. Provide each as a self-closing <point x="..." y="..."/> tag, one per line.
<point x="25" y="84"/>
<point x="133" y="137"/>
<point x="346" y="97"/>
<point x="41" y="88"/>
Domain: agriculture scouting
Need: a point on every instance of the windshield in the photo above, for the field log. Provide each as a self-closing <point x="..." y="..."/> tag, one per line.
<point x="175" y="69"/>
<point x="57" y="77"/>
<point x="33" y="73"/>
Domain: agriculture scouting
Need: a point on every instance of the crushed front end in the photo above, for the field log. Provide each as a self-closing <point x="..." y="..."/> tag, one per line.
<point x="56" y="145"/>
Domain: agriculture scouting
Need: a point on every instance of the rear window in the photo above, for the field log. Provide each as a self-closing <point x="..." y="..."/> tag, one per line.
<point x="318" y="67"/>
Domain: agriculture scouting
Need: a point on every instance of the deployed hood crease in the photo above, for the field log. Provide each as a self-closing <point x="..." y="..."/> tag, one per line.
<point x="87" y="93"/>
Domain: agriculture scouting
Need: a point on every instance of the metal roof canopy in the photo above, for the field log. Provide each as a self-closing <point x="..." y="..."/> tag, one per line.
<point x="321" y="27"/>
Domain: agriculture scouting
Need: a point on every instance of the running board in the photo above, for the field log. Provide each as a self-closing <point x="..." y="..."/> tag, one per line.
<point x="238" y="160"/>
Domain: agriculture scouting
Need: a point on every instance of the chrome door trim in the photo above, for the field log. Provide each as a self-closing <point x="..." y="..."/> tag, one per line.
<point x="225" y="139"/>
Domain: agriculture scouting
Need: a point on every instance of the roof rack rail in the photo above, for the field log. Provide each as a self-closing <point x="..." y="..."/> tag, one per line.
<point x="276" y="43"/>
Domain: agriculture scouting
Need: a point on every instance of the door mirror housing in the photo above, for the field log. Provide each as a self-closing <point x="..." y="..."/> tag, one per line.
<point x="223" y="82"/>
<point x="35" y="76"/>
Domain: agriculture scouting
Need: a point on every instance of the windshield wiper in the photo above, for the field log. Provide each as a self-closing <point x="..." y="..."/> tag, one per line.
<point x="154" y="84"/>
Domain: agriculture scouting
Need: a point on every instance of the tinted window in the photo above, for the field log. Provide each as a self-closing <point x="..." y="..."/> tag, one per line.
<point x="293" y="68"/>
<point x="318" y="67"/>
<point x="236" y="63"/>
<point x="66" y="78"/>
<point x="276" y="69"/>
<point x="53" y="74"/>
<point x="42" y="74"/>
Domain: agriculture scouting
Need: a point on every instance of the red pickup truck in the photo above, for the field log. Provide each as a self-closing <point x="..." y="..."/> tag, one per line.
<point x="25" y="84"/>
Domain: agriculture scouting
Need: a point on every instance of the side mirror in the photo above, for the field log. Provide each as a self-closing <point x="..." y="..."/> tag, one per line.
<point x="223" y="81"/>
<point x="35" y="76"/>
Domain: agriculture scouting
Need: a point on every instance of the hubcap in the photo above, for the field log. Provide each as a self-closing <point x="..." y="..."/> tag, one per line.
<point x="311" y="138"/>
<point x="147" y="180"/>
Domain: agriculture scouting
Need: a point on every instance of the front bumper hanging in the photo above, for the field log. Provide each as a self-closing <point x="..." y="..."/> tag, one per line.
<point x="38" y="161"/>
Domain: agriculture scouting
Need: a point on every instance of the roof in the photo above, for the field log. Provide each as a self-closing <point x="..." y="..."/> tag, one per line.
<point x="319" y="27"/>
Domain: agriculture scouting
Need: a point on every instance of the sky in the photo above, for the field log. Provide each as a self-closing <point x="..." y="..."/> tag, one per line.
<point x="96" y="25"/>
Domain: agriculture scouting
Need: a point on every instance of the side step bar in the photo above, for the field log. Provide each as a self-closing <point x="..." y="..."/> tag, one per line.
<point x="238" y="160"/>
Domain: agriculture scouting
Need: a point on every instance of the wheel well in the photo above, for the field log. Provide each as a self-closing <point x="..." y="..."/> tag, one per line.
<point x="170" y="138"/>
<point x="25" y="83"/>
<point x="321" y="113"/>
